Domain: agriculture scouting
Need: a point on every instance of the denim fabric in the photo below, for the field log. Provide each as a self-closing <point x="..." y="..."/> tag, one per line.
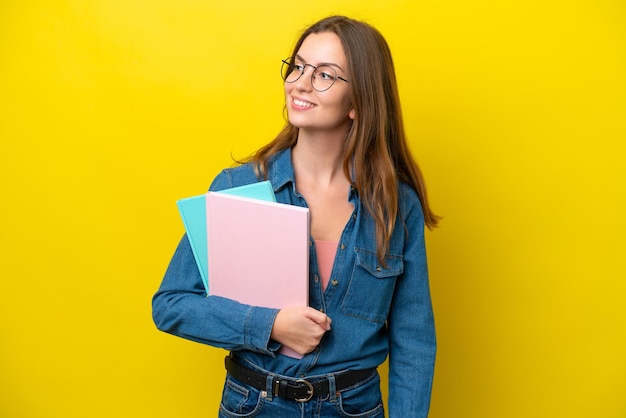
<point x="376" y="311"/>
<point x="362" y="400"/>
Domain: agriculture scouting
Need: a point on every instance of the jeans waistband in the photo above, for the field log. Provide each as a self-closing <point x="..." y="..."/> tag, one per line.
<point x="301" y="390"/>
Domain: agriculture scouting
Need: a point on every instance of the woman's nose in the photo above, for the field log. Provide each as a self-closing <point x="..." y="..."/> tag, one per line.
<point x="305" y="82"/>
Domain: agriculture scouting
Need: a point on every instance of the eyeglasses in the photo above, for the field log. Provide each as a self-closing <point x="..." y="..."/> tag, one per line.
<point x="322" y="77"/>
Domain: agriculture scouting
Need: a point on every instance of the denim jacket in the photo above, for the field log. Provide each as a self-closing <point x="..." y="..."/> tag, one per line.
<point x="375" y="310"/>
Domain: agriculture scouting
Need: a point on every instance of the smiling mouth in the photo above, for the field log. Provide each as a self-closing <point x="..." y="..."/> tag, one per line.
<point x="302" y="103"/>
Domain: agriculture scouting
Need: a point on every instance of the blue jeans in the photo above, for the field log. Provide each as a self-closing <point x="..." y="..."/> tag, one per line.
<point x="362" y="400"/>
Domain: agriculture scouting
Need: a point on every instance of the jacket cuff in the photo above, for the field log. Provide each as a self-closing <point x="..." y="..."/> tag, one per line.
<point x="259" y="323"/>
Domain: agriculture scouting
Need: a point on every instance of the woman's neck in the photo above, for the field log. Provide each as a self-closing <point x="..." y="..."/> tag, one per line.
<point x="318" y="158"/>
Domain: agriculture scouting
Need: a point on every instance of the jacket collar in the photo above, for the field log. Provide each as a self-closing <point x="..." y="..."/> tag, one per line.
<point x="281" y="170"/>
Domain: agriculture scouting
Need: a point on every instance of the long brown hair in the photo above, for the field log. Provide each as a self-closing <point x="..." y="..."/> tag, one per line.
<point x="375" y="147"/>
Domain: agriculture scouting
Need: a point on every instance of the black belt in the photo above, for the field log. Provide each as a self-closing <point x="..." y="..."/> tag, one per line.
<point x="300" y="390"/>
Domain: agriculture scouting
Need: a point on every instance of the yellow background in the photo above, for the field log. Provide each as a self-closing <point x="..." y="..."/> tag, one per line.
<point x="111" y="110"/>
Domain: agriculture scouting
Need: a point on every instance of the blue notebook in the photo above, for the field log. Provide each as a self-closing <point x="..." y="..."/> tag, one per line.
<point x="193" y="213"/>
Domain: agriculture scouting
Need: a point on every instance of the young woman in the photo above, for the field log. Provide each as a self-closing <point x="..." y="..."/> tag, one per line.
<point x="343" y="154"/>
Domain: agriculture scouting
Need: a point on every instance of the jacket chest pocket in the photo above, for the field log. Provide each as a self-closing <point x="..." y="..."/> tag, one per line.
<point x="371" y="286"/>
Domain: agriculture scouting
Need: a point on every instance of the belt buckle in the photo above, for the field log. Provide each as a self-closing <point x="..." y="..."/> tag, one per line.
<point x="309" y="392"/>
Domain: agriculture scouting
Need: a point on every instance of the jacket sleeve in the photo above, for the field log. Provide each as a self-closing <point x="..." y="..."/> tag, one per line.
<point x="181" y="307"/>
<point x="412" y="341"/>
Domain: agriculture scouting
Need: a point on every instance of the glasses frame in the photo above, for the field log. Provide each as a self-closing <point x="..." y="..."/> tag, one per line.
<point x="286" y="62"/>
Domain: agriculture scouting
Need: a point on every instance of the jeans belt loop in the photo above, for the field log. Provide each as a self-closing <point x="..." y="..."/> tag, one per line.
<point x="275" y="387"/>
<point x="332" y="387"/>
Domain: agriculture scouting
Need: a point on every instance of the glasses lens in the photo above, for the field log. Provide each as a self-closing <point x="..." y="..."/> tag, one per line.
<point x="291" y="70"/>
<point x="324" y="77"/>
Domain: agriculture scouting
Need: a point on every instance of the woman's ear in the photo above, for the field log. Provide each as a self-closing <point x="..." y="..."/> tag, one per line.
<point x="352" y="114"/>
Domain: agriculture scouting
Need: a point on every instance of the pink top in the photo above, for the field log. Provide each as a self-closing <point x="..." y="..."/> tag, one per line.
<point x="326" y="251"/>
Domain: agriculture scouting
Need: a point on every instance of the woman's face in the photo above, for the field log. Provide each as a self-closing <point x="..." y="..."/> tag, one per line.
<point x="327" y="111"/>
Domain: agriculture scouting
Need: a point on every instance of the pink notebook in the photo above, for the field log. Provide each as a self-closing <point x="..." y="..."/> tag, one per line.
<point x="258" y="252"/>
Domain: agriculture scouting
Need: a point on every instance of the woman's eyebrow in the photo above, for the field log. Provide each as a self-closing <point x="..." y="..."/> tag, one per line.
<point x="330" y="64"/>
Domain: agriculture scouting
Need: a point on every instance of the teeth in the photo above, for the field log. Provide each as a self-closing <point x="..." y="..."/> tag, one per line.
<point x="302" y="104"/>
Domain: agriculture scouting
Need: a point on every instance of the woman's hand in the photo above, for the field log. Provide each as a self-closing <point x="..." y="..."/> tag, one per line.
<point x="300" y="328"/>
